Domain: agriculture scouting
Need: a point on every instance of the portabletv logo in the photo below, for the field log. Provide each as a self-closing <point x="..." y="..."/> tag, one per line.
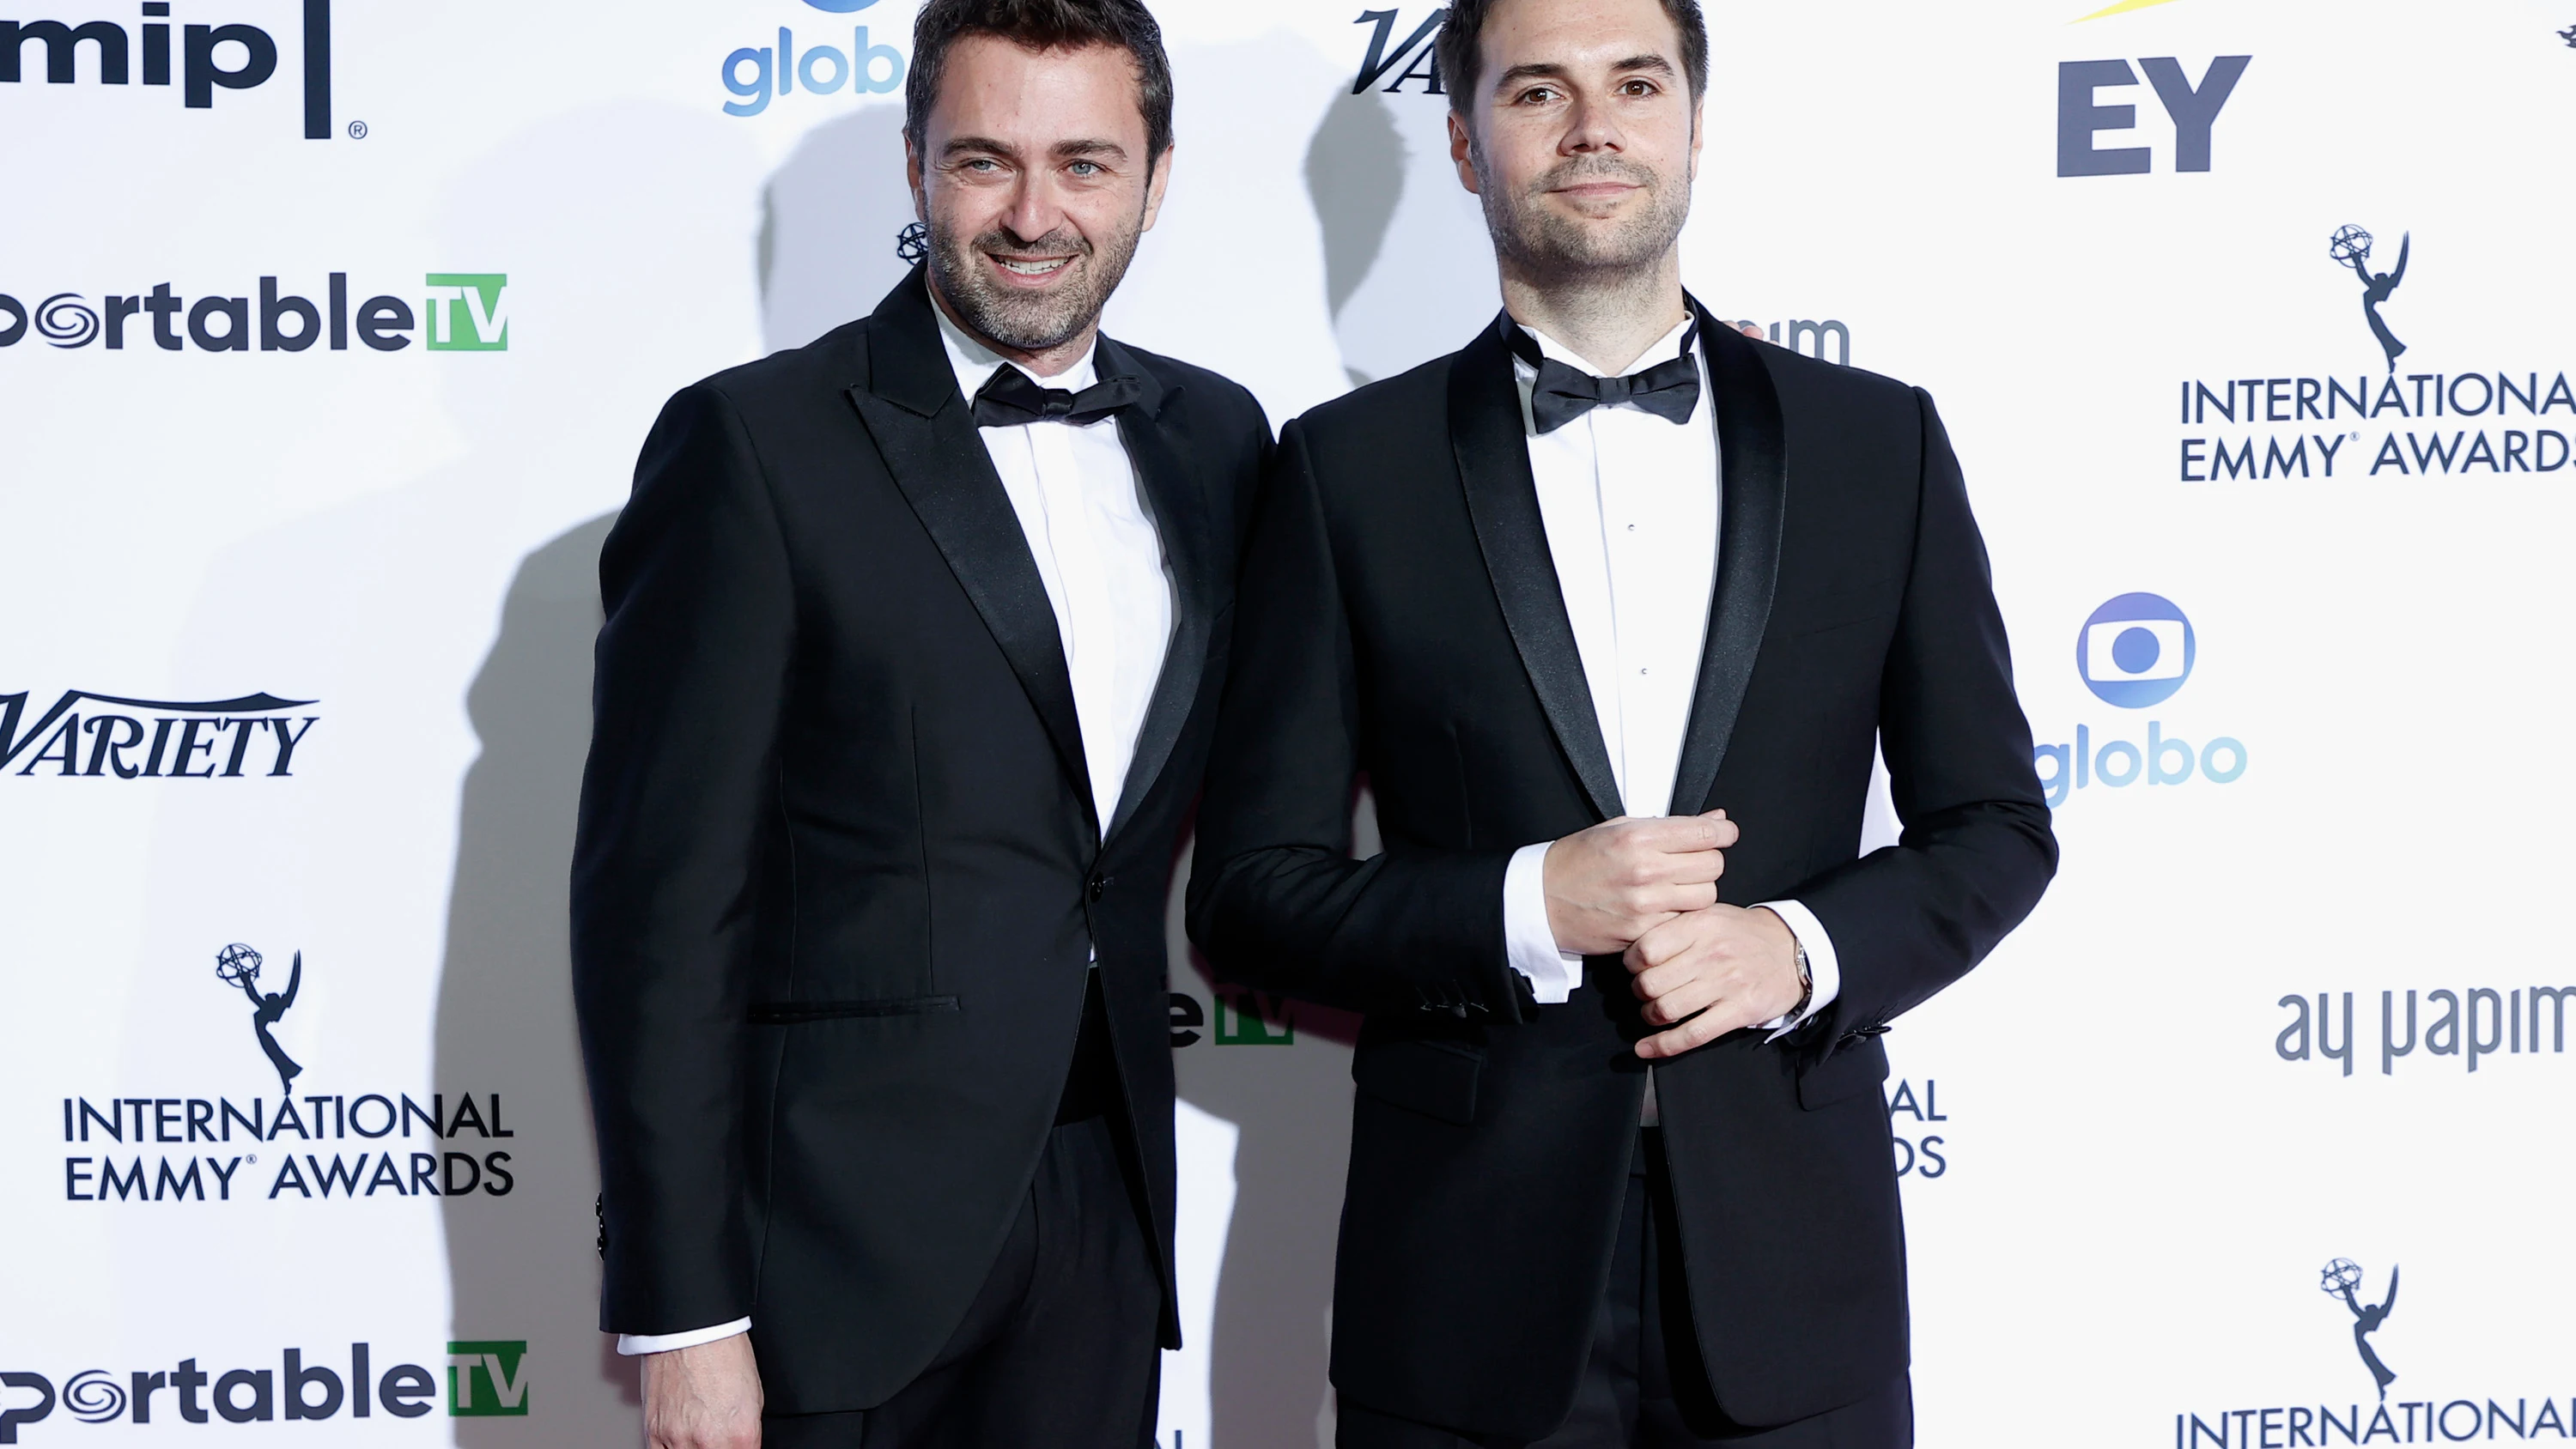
<point x="211" y="57"/>
<point x="460" y="312"/>
<point x="486" y="1378"/>
<point x="2135" y="652"/>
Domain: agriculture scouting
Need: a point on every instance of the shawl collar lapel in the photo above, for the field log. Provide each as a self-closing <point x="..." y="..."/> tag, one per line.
<point x="1490" y="439"/>
<point x="1754" y="467"/>
<point x="926" y="433"/>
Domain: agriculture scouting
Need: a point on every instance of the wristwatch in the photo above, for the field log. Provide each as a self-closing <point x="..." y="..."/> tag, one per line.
<point x="1806" y="981"/>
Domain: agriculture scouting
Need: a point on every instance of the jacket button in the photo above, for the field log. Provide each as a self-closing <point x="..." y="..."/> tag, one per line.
<point x="1100" y="885"/>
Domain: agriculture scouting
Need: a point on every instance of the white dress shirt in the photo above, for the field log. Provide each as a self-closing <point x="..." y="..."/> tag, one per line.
<point x="1630" y="503"/>
<point x="1089" y="528"/>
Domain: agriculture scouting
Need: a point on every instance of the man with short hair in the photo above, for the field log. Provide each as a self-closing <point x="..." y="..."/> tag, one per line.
<point x="910" y="659"/>
<point x="1609" y="608"/>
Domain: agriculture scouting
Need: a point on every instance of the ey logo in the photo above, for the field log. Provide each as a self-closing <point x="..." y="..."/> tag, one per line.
<point x="2194" y="109"/>
<point x="468" y="312"/>
<point x="487" y="1379"/>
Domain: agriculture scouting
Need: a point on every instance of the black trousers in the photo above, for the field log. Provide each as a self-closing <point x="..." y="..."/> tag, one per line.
<point x="1643" y="1386"/>
<point x="1059" y="1346"/>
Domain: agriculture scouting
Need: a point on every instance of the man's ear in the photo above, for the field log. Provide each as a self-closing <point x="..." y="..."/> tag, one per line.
<point x="1462" y="151"/>
<point x="912" y="179"/>
<point x="1154" y="188"/>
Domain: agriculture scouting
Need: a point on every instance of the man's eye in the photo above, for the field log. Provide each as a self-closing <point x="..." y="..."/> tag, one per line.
<point x="1538" y="95"/>
<point x="1085" y="169"/>
<point x="1640" y="88"/>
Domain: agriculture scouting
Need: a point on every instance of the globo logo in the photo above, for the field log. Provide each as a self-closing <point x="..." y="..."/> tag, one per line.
<point x="840" y="7"/>
<point x="2135" y="652"/>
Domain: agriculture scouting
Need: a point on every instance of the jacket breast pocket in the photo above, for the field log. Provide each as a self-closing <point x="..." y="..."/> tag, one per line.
<point x="1855" y="1068"/>
<point x="1433" y="1078"/>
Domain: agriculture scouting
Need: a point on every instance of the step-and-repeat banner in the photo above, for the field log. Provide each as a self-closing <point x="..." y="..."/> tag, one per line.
<point x="328" y="333"/>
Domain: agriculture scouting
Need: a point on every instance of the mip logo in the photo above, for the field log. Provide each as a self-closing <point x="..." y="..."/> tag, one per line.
<point x="759" y="74"/>
<point x="2135" y="651"/>
<point x="228" y="57"/>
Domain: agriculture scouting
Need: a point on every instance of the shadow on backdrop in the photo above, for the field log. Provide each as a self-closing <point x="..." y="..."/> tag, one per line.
<point x="505" y="1001"/>
<point x="827" y="227"/>
<point x="595" y="346"/>
<point x="1272" y="1331"/>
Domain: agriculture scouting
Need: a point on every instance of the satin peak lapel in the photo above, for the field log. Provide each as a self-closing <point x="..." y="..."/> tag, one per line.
<point x="1492" y="447"/>
<point x="1754" y="467"/>
<point x="927" y="434"/>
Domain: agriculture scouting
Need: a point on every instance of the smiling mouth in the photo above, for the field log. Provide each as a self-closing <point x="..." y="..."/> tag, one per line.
<point x="1035" y="267"/>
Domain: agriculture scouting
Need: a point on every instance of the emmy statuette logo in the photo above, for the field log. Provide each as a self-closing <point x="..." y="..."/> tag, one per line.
<point x="238" y="965"/>
<point x="2342" y="1279"/>
<point x="2350" y="246"/>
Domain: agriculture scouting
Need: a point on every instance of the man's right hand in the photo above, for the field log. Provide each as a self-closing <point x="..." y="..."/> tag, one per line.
<point x="706" y="1396"/>
<point x="1608" y="885"/>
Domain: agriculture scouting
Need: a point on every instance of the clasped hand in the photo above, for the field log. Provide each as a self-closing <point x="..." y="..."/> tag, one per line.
<point x="1647" y="889"/>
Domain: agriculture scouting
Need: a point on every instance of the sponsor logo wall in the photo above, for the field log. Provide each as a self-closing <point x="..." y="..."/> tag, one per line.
<point x="2246" y="322"/>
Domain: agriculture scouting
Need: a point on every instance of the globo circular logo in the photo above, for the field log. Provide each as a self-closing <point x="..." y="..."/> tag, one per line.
<point x="2135" y="651"/>
<point x="840" y="7"/>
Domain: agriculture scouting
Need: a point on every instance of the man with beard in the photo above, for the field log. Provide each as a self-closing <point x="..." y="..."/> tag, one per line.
<point x="1609" y="607"/>
<point x="910" y="659"/>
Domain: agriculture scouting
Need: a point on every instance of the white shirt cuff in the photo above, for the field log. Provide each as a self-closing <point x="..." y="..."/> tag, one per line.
<point x="632" y="1344"/>
<point x="1822" y="967"/>
<point x="1528" y="943"/>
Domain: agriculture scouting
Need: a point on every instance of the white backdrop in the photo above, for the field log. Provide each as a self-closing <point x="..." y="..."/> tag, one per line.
<point x="349" y="586"/>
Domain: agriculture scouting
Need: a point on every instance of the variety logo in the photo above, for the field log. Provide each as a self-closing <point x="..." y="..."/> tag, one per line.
<point x="1243" y="1018"/>
<point x="2481" y="1021"/>
<point x="255" y="735"/>
<point x="2135" y="652"/>
<point x="760" y="74"/>
<point x="467" y="312"/>
<point x="2434" y="1419"/>
<point x="1414" y="58"/>
<point x="484" y="1377"/>
<point x="229" y="57"/>
<point x="2193" y="108"/>
<point x="2325" y="413"/>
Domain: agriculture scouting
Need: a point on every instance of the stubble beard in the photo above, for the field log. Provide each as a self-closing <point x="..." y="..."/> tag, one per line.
<point x="1544" y="245"/>
<point x="1029" y="321"/>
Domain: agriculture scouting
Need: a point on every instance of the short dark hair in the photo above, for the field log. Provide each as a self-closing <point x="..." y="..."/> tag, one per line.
<point x="1461" y="61"/>
<point x="1042" y="25"/>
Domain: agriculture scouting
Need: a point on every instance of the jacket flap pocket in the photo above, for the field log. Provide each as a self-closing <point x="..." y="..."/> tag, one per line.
<point x="795" y="1013"/>
<point x="1854" y="1068"/>
<point x="1435" y="1080"/>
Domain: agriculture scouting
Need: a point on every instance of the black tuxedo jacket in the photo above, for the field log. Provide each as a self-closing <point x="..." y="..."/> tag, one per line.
<point x="838" y="874"/>
<point x="1401" y="620"/>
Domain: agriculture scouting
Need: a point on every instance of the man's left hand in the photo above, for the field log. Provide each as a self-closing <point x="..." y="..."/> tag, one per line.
<point x="1710" y="972"/>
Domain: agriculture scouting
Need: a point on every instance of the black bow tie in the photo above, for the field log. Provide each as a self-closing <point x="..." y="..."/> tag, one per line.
<point x="1009" y="398"/>
<point x="1669" y="389"/>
